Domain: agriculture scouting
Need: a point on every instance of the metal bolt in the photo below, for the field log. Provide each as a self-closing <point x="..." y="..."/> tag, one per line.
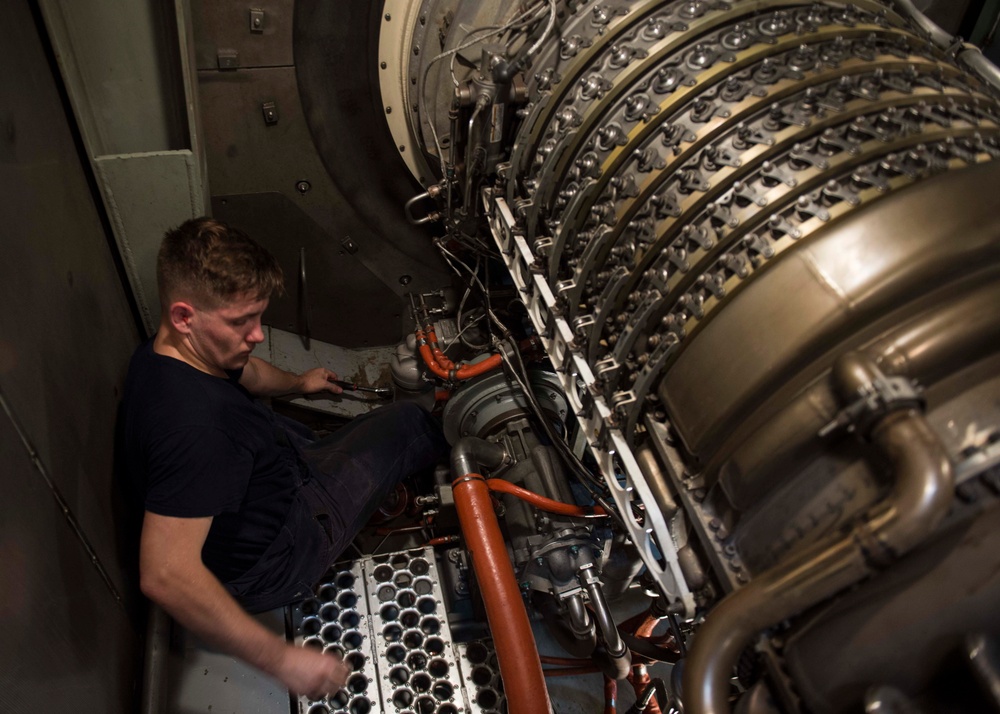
<point x="383" y="65"/>
<point x="388" y="17"/>
<point x="388" y="110"/>
<point x="405" y="279"/>
<point x="303" y="186"/>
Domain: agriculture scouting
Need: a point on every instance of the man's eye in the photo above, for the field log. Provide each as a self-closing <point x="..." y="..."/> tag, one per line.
<point x="239" y="323"/>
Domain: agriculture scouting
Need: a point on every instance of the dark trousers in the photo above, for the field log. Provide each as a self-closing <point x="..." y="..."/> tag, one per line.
<point x="358" y="466"/>
<point x="348" y="476"/>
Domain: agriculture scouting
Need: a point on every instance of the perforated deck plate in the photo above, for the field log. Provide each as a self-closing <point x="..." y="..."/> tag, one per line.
<point x="337" y="620"/>
<point x="386" y="615"/>
<point x="477" y="662"/>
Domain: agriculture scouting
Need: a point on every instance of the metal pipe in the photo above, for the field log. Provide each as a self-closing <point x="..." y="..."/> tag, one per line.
<point x="970" y="55"/>
<point x="470" y="453"/>
<point x="579" y="621"/>
<point x="973" y="58"/>
<point x="935" y="33"/>
<point x="618" y="653"/>
<point x="645" y="456"/>
<point x="960" y="329"/>
<point x="524" y="681"/>
<point x="470" y="148"/>
<point x="921" y="496"/>
<point x="154" y="680"/>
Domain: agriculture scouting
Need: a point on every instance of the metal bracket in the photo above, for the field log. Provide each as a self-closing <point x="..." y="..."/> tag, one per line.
<point x="876" y="399"/>
<point x="256" y="20"/>
<point x="228" y="59"/>
<point x="270" y="111"/>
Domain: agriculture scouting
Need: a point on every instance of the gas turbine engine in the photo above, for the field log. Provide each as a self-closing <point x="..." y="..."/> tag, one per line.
<point x="756" y="243"/>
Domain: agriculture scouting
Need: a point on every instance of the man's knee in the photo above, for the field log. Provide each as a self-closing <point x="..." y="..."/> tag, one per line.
<point x="410" y="416"/>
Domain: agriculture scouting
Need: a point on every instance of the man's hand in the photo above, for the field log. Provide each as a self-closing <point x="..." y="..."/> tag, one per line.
<point x="319" y="380"/>
<point x="263" y="379"/>
<point x="314" y="674"/>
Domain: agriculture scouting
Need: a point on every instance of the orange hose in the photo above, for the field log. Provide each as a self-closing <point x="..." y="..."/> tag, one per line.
<point x="467" y="371"/>
<point x="640" y="677"/>
<point x="517" y="653"/>
<point x="610" y="695"/>
<point x="546" y="504"/>
<point x="446" y="369"/>
<point x="646" y="628"/>
<point x="432" y="364"/>
<point x="640" y="680"/>
<point x="439" y="355"/>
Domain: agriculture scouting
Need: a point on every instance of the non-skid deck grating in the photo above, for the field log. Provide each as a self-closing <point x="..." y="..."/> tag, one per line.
<point x="385" y="615"/>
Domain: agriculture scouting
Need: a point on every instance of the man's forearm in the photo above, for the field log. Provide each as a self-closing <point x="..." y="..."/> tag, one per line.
<point x="195" y="598"/>
<point x="173" y="575"/>
<point x="263" y="379"/>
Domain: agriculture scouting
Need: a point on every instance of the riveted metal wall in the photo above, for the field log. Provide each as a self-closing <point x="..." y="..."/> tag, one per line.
<point x="66" y="596"/>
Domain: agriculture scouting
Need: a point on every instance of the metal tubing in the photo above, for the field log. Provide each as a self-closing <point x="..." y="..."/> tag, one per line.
<point x="616" y="649"/>
<point x="524" y="682"/>
<point x="920" y="498"/>
<point x="975" y="60"/>
<point x="961" y="329"/>
<point x="970" y="56"/>
<point x="579" y="621"/>
<point x="645" y="456"/>
<point x="470" y="452"/>
<point x="936" y="34"/>
<point x="481" y="104"/>
<point x="154" y="679"/>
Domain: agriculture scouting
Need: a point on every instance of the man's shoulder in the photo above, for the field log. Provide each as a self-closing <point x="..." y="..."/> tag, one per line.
<point x="162" y="390"/>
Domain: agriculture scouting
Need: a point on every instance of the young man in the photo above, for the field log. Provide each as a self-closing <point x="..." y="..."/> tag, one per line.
<point x="243" y="510"/>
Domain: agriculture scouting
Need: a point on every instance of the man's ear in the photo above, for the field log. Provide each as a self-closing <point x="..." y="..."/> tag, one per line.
<point x="181" y="314"/>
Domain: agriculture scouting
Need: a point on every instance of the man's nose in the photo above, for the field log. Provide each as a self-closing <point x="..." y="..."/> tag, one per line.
<point x="256" y="335"/>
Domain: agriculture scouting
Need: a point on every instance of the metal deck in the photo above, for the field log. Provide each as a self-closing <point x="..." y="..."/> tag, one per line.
<point x="386" y="616"/>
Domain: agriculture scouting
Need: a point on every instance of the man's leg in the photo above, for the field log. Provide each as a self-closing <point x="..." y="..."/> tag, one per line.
<point x="356" y="467"/>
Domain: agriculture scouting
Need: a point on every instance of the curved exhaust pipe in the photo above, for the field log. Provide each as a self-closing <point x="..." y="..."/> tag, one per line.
<point x="921" y="496"/>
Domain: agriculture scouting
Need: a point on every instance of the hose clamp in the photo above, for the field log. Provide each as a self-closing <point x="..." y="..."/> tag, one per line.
<point x="875" y="399"/>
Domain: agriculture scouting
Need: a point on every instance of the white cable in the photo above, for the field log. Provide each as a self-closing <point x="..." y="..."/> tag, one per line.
<point x="548" y="29"/>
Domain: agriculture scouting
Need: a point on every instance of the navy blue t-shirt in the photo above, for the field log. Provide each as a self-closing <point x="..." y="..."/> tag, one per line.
<point x="198" y="445"/>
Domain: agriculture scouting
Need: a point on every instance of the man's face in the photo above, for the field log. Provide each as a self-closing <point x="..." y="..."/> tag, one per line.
<point x="223" y="337"/>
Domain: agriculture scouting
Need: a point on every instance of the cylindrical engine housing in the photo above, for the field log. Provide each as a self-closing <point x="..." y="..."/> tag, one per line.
<point x="725" y="197"/>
